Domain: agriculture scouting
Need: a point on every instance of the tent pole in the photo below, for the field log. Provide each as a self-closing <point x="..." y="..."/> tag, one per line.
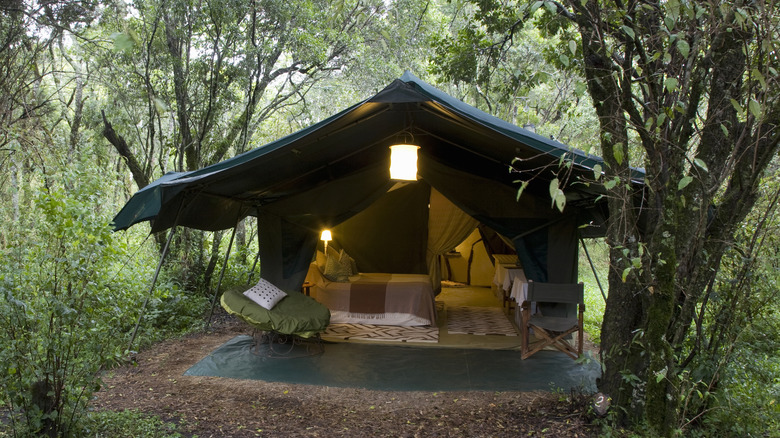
<point x="593" y="268"/>
<point x="221" y="276"/>
<point x="151" y="287"/>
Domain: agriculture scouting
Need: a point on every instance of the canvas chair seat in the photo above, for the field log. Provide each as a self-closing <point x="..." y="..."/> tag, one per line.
<point x="553" y="323"/>
<point x="552" y="331"/>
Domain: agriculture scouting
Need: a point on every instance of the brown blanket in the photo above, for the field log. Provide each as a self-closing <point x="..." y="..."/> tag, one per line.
<point x="379" y="299"/>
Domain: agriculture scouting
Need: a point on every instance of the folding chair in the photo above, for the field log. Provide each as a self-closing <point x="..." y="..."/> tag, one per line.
<point x="552" y="330"/>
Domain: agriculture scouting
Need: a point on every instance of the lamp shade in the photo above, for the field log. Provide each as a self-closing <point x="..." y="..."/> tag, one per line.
<point x="326" y="236"/>
<point x="403" y="162"/>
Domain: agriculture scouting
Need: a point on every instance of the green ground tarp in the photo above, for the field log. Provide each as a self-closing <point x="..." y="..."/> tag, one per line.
<point x="390" y="368"/>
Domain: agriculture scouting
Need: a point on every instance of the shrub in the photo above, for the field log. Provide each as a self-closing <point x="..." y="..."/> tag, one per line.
<point x="56" y="316"/>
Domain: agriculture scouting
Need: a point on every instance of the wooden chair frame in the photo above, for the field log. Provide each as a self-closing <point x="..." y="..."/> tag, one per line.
<point x="552" y="331"/>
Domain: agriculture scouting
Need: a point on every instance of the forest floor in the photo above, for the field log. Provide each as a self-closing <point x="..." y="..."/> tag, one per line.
<point x="222" y="407"/>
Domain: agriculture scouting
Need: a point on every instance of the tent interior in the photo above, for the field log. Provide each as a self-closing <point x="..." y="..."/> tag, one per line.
<point x="334" y="175"/>
<point x="415" y="229"/>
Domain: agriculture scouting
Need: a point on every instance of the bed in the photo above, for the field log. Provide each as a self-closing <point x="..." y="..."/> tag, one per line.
<point x="375" y="298"/>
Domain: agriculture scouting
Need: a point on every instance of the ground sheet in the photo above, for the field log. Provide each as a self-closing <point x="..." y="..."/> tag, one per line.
<point x="399" y="368"/>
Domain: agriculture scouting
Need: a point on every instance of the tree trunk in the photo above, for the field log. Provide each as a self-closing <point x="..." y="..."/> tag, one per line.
<point x="141" y="179"/>
<point x="625" y="308"/>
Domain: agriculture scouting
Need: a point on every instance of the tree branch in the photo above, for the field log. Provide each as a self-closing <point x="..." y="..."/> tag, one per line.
<point x="141" y="179"/>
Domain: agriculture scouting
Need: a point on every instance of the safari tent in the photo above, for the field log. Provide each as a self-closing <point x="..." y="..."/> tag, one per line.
<point x="334" y="174"/>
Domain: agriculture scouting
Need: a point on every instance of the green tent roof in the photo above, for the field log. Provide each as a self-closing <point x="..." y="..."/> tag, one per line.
<point x="449" y="132"/>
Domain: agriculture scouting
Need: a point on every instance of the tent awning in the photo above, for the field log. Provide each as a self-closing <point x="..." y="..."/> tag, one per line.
<point x="451" y="135"/>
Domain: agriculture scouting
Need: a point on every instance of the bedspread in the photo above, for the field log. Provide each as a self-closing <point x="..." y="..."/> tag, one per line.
<point x="377" y="298"/>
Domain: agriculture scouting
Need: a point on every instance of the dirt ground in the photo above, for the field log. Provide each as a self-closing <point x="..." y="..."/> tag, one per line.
<point x="221" y="407"/>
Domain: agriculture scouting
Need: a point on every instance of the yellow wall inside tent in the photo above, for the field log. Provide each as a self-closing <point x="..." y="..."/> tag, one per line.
<point x="481" y="267"/>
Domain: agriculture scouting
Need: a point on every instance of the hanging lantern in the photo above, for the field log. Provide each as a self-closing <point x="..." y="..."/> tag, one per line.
<point x="403" y="162"/>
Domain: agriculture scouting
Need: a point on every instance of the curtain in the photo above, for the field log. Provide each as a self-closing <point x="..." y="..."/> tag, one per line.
<point x="447" y="227"/>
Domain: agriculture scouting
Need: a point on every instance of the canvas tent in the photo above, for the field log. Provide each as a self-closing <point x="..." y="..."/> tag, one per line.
<point x="336" y="172"/>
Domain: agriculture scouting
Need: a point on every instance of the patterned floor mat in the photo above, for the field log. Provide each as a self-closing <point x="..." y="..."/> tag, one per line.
<point x="386" y="333"/>
<point x="478" y="321"/>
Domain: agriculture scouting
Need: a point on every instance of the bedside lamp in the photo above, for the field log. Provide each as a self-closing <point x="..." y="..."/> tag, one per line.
<point x="326" y="237"/>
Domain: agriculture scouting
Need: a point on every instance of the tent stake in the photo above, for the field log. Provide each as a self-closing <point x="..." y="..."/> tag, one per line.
<point x="593" y="268"/>
<point x="151" y="287"/>
<point x="221" y="276"/>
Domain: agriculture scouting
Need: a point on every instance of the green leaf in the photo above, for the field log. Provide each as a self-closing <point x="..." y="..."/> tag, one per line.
<point x="521" y="189"/>
<point x="660" y="375"/>
<point x="755" y="108"/>
<point x="564" y="60"/>
<point x="573" y="47"/>
<point x="700" y="163"/>
<point x="683" y="47"/>
<point x="122" y="42"/>
<point x="671" y="84"/>
<point x="610" y="184"/>
<point x="625" y="274"/>
<point x="597" y="172"/>
<point x="759" y="77"/>
<point x="557" y="195"/>
<point x="669" y="22"/>
<point x="628" y="31"/>
<point x="160" y="105"/>
<point x="580" y="88"/>
<point x="684" y="182"/>
<point x="554" y="187"/>
<point x="737" y="106"/>
<point x="617" y="152"/>
<point x="560" y="200"/>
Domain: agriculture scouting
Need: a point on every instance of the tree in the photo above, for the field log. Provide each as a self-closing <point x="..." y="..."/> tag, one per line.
<point x="690" y="88"/>
<point x="194" y="82"/>
<point x="520" y="79"/>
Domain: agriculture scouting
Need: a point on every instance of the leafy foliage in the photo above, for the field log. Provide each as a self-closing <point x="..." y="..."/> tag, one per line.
<point x="58" y="326"/>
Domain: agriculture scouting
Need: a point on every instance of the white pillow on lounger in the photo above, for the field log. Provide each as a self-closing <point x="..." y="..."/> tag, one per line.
<point x="265" y="294"/>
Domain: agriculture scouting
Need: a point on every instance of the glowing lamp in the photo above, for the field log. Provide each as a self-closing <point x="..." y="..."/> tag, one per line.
<point x="326" y="237"/>
<point x="403" y="162"/>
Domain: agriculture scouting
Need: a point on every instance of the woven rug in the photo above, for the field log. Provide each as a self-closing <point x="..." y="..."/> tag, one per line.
<point x="478" y="321"/>
<point x="387" y="333"/>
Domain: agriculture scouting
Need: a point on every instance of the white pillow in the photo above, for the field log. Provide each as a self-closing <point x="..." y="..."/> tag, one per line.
<point x="265" y="294"/>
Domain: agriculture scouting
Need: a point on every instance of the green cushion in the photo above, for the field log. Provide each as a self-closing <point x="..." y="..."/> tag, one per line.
<point x="295" y="314"/>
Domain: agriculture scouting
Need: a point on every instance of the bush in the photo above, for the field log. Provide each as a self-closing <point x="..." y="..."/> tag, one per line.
<point x="748" y="402"/>
<point x="60" y="319"/>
